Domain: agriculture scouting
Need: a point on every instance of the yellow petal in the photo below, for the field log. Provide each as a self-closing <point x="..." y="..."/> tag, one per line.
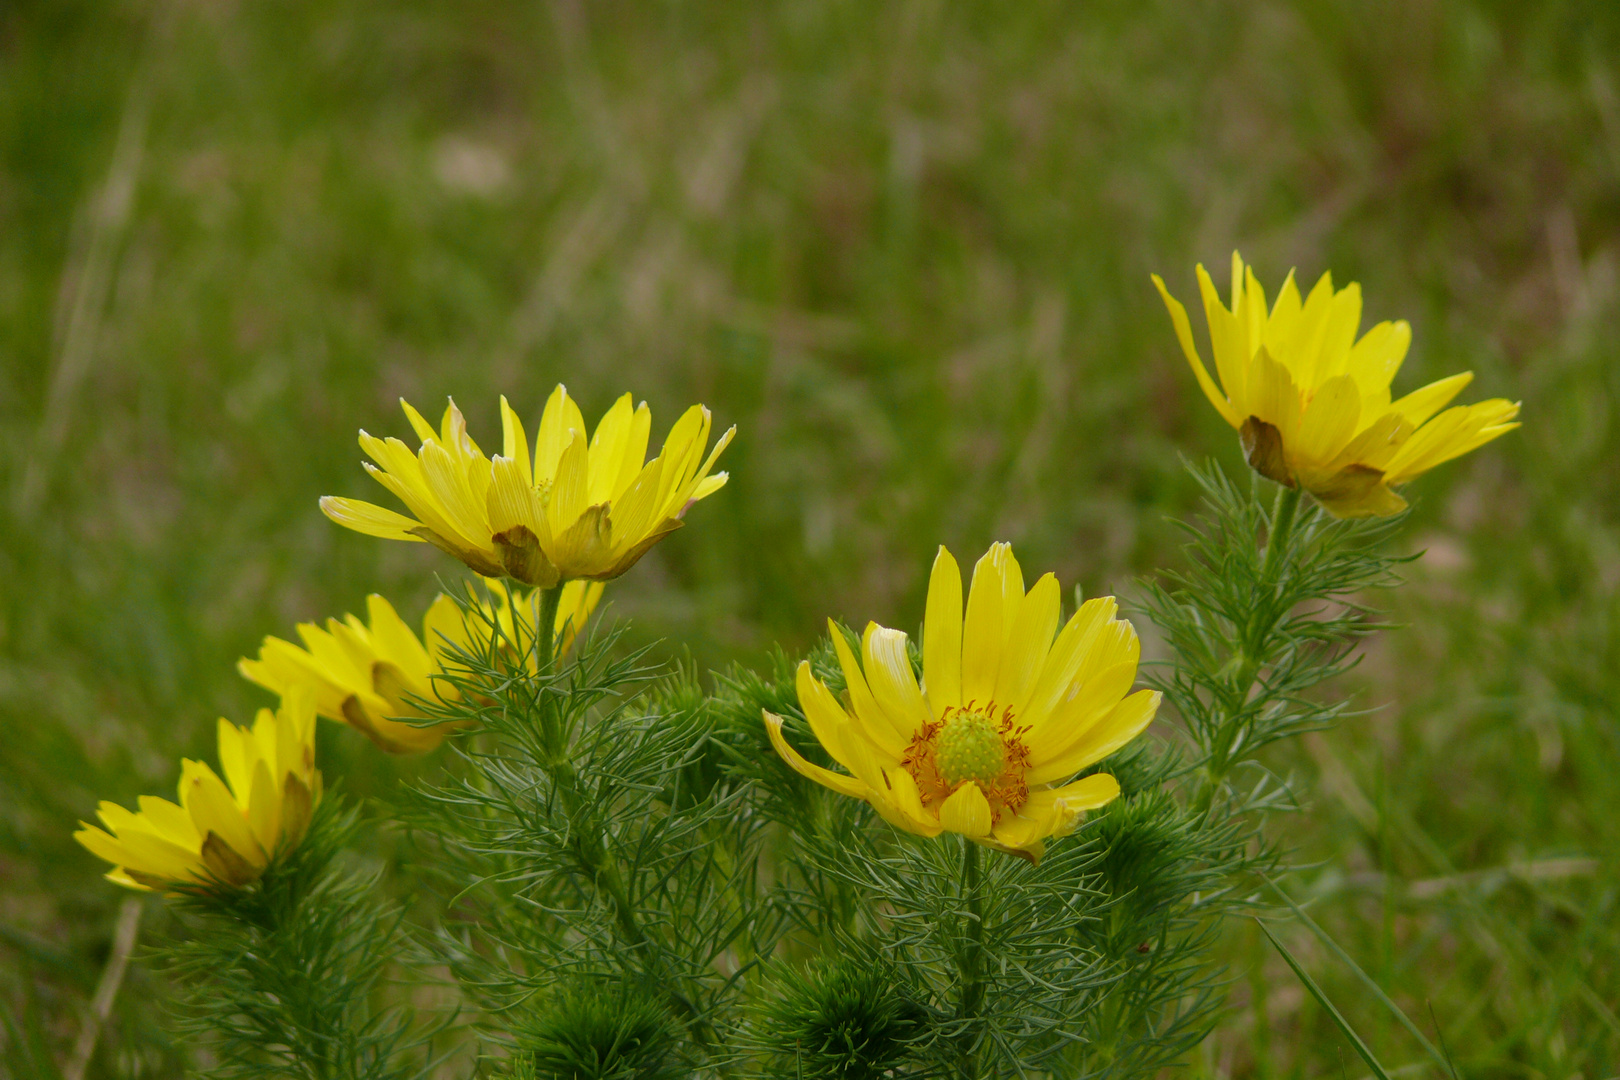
<point x="1451" y="434"/>
<point x="1124" y="723"/>
<point x="453" y="433"/>
<point x="1088" y="793"/>
<point x="394" y="640"/>
<point x="328" y="654"/>
<point x="1339" y="333"/>
<point x="1273" y="396"/>
<point x="967" y="811"/>
<point x="1300" y="355"/>
<point x="401" y="473"/>
<point x="891" y="799"/>
<point x="587" y="548"/>
<point x="1328" y="423"/>
<point x="996" y="581"/>
<point x="363" y="517"/>
<point x="424" y="430"/>
<point x="466" y="513"/>
<point x="709" y="485"/>
<point x="1029" y="643"/>
<point x="170" y="822"/>
<point x="1283" y="322"/>
<point x="561" y="417"/>
<point x="295" y="735"/>
<point x="1250" y="307"/>
<point x="236" y="756"/>
<point x="700" y="480"/>
<point x="1375" y="444"/>
<point x="1420" y="405"/>
<point x="1032" y="824"/>
<point x="1066" y="660"/>
<point x="1055" y="811"/>
<point x="1116" y="643"/>
<point x="844" y="785"/>
<point x="119" y="876"/>
<point x="827" y="718"/>
<point x="680" y="455"/>
<point x="942" y="635"/>
<point x="607" y="449"/>
<point x="579" y="599"/>
<point x="634" y="453"/>
<point x="569" y="491"/>
<point x="264" y="808"/>
<point x="1178" y="318"/>
<point x="1228" y="342"/>
<point x="637" y="513"/>
<point x="515" y="444"/>
<point x="511" y="500"/>
<point x="1377" y="357"/>
<point x="1091" y="701"/>
<point x="444" y="627"/>
<point x="887" y="662"/>
<point x="146" y="853"/>
<point x="891" y="733"/>
<point x="901" y="793"/>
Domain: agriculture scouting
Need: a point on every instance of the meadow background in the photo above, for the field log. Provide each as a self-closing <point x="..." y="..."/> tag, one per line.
<point x="905" y="248"/>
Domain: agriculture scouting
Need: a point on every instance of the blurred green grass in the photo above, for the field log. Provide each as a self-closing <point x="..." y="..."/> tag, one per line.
<point x="905" y="249"/>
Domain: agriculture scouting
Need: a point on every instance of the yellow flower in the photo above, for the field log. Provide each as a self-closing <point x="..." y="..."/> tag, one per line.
<point x="576" y="510"/>
<point x="366" y="676"/>
<point x="1312" y="403"/>
<point x="223" y="832"/>
<point x="1005" y="717"/>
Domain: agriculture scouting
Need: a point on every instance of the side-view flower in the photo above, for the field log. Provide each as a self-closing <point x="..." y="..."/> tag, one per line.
<point x="1006" y="715"/>
<point x="222" y="832"/>
<point x="370" y="676"/>
<point x="1312" y="403"/>
<point x="575" y="509"/>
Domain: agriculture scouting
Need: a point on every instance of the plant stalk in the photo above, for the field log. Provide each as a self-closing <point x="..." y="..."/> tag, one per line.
<point x="545" y="630"/>
<point x="1284" y="515"/>
<point x="1282" y="528"/>
<point x="594" y="860"/>
<point x="971" y="961"/>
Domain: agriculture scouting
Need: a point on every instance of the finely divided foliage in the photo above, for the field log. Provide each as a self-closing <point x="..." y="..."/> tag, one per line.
<point x="951" y="858"/>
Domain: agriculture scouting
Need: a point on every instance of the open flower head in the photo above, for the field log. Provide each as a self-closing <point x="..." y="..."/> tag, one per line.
<point x="372" y="675"/>
<point x="575" y="508"/>
<point x="222" y="832"/>
<point x="1009" y="710"/>
<point x="1312" y="402"/>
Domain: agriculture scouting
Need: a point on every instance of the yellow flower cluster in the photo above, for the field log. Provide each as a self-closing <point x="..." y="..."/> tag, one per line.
<point x="576" y="509"/>
<point x="1311" y="401"/>
<point x="372" y="676"/>
<point x="992" y="742"/>
<point x="1009" y="710"/>
<point x="222" y="832"/>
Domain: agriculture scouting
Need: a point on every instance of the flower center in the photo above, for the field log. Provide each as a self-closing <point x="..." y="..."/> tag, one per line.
<point x="969" y="747"/>
<point x="974" y="745"/>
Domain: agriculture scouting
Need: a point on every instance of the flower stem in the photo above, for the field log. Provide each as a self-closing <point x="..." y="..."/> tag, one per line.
<point x="971" y="961"/>
<point x="545" y="630"/>
<point x="1284" y="515"/>
<point x="1282" y="528"/>
<point x="545" y="645"/>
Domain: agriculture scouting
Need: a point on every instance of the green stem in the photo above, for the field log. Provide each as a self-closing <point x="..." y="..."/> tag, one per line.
<point x="1282" y="528"/>
<point x="971" y="961"/>
<point x="545" y="630"/>
<point x="1284" y="515"/>
<point x="593" y="857"/>
<point x="552" y="730"/>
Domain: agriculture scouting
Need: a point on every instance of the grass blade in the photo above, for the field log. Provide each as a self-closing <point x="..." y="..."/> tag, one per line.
<point x="1322" y="999"/>
<point x="1366" y="980"/>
